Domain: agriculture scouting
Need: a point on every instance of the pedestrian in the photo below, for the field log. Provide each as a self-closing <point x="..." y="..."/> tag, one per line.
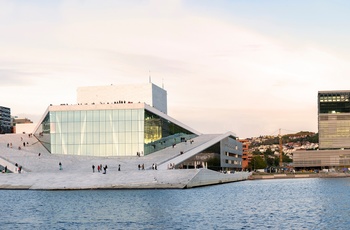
<point x="98" y="168"/>
<point x="60" y="165"/>
<point x="105" y="169"/>
<point x="139" y="166"/>
<point x="118" y="167"/>
<point x="93" y="168"/>
<point x="39" y="154"/>
<point x="5" y="169"/>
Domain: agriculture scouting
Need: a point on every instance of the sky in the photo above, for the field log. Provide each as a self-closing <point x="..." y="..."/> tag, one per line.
<point x="247" y="66"/>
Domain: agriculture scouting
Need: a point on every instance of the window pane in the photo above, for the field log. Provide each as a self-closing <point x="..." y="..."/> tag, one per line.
<point x="109" y="115"/>
<point x="115" y="115"/>
<point x="102" y="115"/>
<point x="83" y="115"/>
<point x="128" y="126"/>
<point x="70" y="115"/>
<point x="64" y="116"/>
<point x="102" y="138"/>
<point x="77" y="116"/>
<point x="121" y="126"/>
<point x="102" y="126"/>
<point x="89" y="116"/>
<point x="134" y="114"/>
<point x="128" y="115"/>
<point x="96" y="115"/>
<point x="121" y="115"/>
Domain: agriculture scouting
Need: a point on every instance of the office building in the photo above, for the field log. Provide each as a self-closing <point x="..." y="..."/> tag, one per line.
<point x="334" y="133"/>
<point x="5" y="120"/>
<point x="334" y="119"/>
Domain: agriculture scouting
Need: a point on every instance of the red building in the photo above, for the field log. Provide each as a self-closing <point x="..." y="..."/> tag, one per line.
<point x="246" y="157"/>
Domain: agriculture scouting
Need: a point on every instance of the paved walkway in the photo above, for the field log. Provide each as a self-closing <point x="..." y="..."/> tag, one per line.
<point x="42" y="172"/>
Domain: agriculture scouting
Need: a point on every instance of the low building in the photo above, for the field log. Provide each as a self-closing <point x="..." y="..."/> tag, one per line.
<point x="22" y="125"/>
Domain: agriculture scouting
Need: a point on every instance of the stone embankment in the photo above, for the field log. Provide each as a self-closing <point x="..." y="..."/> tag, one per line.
<point x="256" y="176"/>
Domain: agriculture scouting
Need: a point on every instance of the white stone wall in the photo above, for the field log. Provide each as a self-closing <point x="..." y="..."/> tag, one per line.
<point x="159" y="99"/>
<point x="25" y="128"/>
<point x="145" y="93"/>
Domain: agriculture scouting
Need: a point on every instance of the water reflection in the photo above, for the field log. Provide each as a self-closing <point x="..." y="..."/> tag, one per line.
<point x="265" y="204"/>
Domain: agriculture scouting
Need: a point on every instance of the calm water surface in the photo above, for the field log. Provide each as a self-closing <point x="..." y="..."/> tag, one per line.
<point x="260" y="204"/>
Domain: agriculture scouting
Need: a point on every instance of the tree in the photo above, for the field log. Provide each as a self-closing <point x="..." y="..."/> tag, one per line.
<point x="256" y="152"/>
<point x="257" y="162"/>
<point x="268" y="152"/>
<point x="286" y="159"/>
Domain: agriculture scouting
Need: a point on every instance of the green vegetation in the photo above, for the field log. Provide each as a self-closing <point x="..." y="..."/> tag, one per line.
<point x="257" y="162"/>
<point x="300" y="137"/>
<point x="266" y="160"/>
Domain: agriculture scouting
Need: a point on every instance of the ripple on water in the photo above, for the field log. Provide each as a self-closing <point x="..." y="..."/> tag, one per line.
<point x="259" y="204"/>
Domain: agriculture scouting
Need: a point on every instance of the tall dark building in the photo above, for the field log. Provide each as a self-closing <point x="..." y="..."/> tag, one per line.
<point x="334" y="119"/>
<point x="5" y="120"/>
<point x="333" y="134"/>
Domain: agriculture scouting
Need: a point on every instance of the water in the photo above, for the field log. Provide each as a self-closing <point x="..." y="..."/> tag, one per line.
<point x="260" y="204"/>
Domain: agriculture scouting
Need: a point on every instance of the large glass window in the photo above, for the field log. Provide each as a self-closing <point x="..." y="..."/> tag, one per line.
<point x="160" y="133"/>
<point x="97" y="133"/>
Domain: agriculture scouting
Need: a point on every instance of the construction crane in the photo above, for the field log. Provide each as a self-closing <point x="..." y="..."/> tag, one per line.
<point x="280" y="141"/>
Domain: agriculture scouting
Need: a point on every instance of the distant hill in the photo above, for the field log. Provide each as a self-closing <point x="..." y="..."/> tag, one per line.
<point x="302" y="137"/>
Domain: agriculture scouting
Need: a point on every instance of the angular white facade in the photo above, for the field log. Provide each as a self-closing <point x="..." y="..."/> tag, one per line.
<point x="131" y="120"/>
<point x="123" y="94"/>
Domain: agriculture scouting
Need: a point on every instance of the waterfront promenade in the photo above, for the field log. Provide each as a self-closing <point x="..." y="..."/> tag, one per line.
<point x="257" y="176"/>
<point x="40" y="170"/>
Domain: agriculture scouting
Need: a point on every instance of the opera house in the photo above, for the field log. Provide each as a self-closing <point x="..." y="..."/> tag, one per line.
<point x="129" y="124"/>
<point x="127" y="121"/>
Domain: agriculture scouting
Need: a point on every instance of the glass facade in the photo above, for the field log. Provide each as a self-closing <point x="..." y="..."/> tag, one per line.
<point x="161" y="133"/>
<point x="334" y="119"/>
<point x="334" y="102"/>
<point x="93" y="132"/>
<point x="108" y="132"/>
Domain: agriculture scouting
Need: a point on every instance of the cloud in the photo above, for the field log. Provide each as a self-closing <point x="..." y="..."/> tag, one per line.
<point x="216" y="69"/>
